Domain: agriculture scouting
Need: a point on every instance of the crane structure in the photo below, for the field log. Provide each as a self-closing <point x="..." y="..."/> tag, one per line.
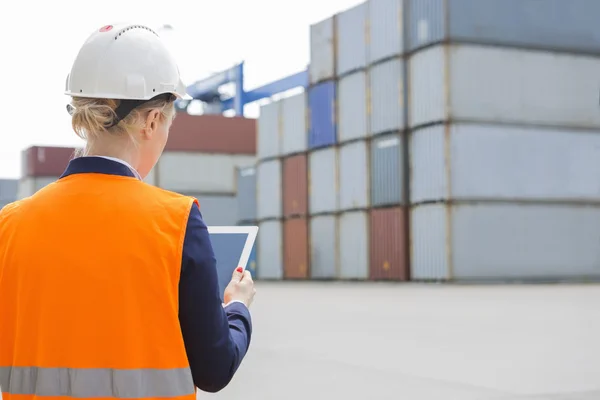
<point x="207" y="90"/>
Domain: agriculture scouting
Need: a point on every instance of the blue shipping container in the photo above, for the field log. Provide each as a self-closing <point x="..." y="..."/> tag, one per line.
<point x="321" y="103"/>
<point x="564" y="25"/>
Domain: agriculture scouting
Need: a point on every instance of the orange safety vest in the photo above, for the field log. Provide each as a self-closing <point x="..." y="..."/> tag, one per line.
<point x="89" y="276"/>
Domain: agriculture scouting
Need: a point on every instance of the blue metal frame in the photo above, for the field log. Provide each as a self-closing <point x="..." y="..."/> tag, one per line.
<point x="207" y="90"/>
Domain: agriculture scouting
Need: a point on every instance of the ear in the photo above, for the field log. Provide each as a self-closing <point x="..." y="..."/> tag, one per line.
<point x="152" y="124"/>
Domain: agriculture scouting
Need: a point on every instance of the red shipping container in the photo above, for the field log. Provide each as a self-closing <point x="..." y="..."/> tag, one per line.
<point x="45" y="161"/>
<point x="389" y="244"/>
<point x="295" y="248"/>
<point x="295" y="186"/>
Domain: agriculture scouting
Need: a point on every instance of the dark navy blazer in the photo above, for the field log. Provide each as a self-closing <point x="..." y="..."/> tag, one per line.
<point x="216" y="337"/>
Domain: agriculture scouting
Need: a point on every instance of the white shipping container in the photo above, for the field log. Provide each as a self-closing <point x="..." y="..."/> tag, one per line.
<point x="353" y="250"/>
<point x="268" y="189"/>
<point x="30" y="185"/>
<point x="323" y="247"/>
<point x="218" y="210"/>
<point x="322" y="51"/>
<point x="323" y="189"/>
<point x="504" y="241"/>
<point x="269" y="132"/>
<point x="352" y="107"/>
<point x="200" y="172"/>
<point x="354" y="176"/>
<point x="386" y="36"/>
<point x="150" y="179"/>
<point x="387" y="108"/>
<point x="294" y="127"/>
<point x="492" y="84"/>
<point x="482" y="161"/>
<point x="352" y="39"/>
<point x="270" y="250"/>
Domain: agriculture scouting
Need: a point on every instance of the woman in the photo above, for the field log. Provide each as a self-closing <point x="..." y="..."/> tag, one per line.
<point x="108" y="286"/>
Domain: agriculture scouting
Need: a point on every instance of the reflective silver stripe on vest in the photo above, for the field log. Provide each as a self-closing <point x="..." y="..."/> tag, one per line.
<point x="96" y="382"/>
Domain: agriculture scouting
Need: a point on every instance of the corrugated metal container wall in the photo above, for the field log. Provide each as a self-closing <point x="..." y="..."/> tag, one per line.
<point x="557" y="25"/>
<point x="323" y="247"/>
<point x="43" y="161"/>
<point x="269" y="135"/>
<point x="322" y="110"/>
<point x="323" y="189"/>
<point x="28" y="186"/>
<point x="389" y="244"/>
<point x="217" y="210"/>
<point x="504" y="163"/>
<point x="268" y="189"/>
<point x="270" y="250"/>
<point x="9" y="189"/>
<point x="353" y="250"/>
<point x="352" y="39"/>
<point x="352" y="107"/>
<point x="295" y="248"/>
<point x="199" y="173"/>
<point x="387" y="97"/>
<point x="529" y="241"/>
<point x="246" y="194"/>
<point x="503" y="85"/>
<point x="387" y="171"/>
<point x="385" y="29"/>
<point x="293" y="121"/>
<point x="354" y="176"/>
<point x="322" y="51"/>
<point x="295" y="186"/>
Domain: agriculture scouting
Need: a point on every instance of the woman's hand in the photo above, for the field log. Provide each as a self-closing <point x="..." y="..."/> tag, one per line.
<point x="241" y="288"/>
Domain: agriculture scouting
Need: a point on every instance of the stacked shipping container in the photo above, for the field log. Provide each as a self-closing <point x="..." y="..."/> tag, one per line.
<point x="41" y="166"/>
<point x="9" y="189"/>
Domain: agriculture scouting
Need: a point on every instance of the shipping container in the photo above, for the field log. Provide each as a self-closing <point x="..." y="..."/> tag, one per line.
<point x="491" y="84"/>
<point x="549" y="24"/>
<point x="352" y="107"/>
<point x="387" y="106"/>
<point x="217" y="210"/>
<point x="270" y="250"/>
<point x="322" y="111"/>
<point x="28" y="186"/>
<point x="253" y="260"/>
<point x="351" y="35"/>
<point x="295" y="248"/>
<point x="388" y="171"/>
<point x="354" y="176"/>
<point x="9" y="189"/>
<point x="269" y="131"/>
<point x="389" y="244"/>
<point x="42" y="161"/>
<point x="353" y="249"/>
<point x="475" y="241"/>
<point x="246" y="194"/>
<point x="295" y="186"/>
<point x="212" y="134"/>
<point x="199" y="173"/>
<point x="323" y="247"/>
<point x="322" y="50"/>
<point x="491" y="162"/>
<point x="268" y="189"/>
<point x="294" y="134"/>
<point x="386" y="29"/>
<point x="323" y="189"/>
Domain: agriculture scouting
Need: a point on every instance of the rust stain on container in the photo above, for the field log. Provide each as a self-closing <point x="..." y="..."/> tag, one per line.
<point x="295" y="186"/>
<point x="389" y="247"/>
<point x="43" y="161"/>
<point x="212" y="134"/>
<point x="295" y="248"/>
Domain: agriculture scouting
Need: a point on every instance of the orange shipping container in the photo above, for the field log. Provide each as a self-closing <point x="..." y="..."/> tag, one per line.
<point x="389" y="244"/>
<point x="295" y="186"/>
<point x="295" y="248"/>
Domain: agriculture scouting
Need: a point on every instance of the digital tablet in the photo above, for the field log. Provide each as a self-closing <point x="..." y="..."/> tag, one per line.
<point x="232" y="246"/>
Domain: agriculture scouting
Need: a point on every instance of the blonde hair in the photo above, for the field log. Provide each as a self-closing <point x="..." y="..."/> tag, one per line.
<point x="94" y="118"/>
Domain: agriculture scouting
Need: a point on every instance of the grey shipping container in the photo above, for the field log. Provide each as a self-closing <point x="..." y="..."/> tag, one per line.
<point x="386" y="29"/>
<point x="294" y="134"/>
<point x="269" y="131"/>
<point x="246" y="194"/>
<point x="322" y="50"/>
<point x="527" y="241"/>
<point x="475" y="161"/>
<point x="549" y="24"/>
<point x="388" y="171"/>
<point x="323" y="237"/>
<point x="353" y="249"/>
<point x="354" y="176"/>
<point x="217" y="210"/>
<point x="352" y="107"/>
<point x="323" y="189"/>
<point x="270" y="250"/>
<point x="387" y="108"/>
<point x="268" y="189"/>
<point x="9" y="189"/>
<point x="352" y="39"/>
<point x="30" y="185"/>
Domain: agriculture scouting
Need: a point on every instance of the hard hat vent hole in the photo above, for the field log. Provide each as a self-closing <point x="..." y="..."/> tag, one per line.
<point x="129" y="28"/>
<point x="154" y="90"/>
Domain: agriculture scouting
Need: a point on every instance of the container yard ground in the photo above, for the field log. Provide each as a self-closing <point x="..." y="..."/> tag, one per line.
<point x="373" y="341"/>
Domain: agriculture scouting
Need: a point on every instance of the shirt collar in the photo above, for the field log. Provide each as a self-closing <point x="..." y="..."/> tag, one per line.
<point x="100" y="165"/>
